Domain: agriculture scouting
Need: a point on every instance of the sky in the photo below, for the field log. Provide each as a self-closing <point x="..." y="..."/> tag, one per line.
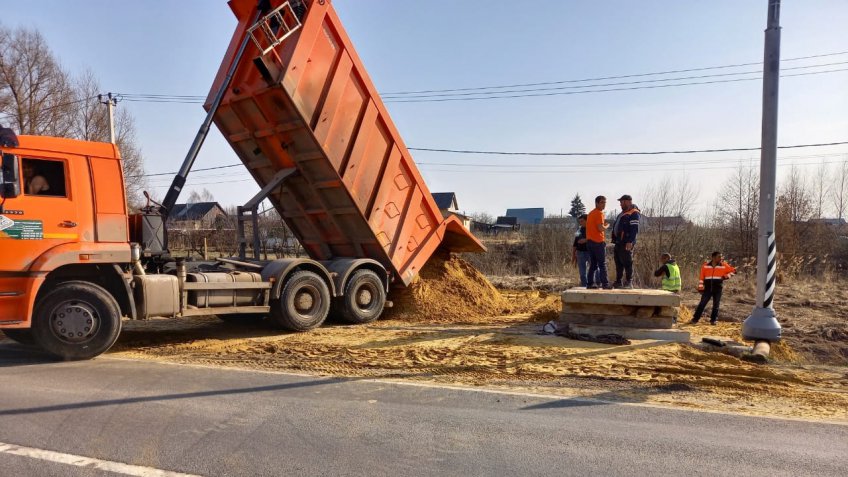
<point x="175" y="47"/>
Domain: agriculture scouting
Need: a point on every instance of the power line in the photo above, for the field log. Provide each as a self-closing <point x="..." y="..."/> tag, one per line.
<point x="167" y="99"/>
<point x="629" y="153"/>
<point x="196" y="170"/>
<point x="599" y="85"/>
<point x="652" y="170"/>
<point x="606" y="90"/>
<point x="603" y="78"/>
<point x="204" y="183"/>
<point x="594" y="165"/>
<point x="52" y="107"/>
<point x="527" y="93"/>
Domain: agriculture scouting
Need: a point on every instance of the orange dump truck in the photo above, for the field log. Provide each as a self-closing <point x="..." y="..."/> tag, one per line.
<point x="295" y="102"/>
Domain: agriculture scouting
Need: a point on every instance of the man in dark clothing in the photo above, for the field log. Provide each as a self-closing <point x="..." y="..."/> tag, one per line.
<point x="579" y="252"/>
<point x="624" y="233"/>
<point x="710" y="284"/>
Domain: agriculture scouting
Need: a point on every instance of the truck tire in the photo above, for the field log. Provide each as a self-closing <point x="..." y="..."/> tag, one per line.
<point x="364" y="298"/>
<point x="304" y="302"/>
<point x="22" y="336"/>
<point x="76" y="320"/>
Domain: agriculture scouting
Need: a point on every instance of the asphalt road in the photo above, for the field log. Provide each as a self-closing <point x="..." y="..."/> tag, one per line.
<point x="140" y="418"/>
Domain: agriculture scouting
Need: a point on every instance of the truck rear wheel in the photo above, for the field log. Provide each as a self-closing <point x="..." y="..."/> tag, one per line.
<point x="76" y="320"/>
<point x="304" y="302"/>
<point x="364" y="298"/>
<point x="22" y="336"/>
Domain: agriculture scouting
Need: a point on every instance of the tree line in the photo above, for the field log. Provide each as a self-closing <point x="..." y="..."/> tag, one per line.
<point x="38" y="96"/>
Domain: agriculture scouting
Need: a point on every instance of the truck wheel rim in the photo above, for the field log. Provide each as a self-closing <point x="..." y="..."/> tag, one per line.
<point x="306" y="300"/>
<point x="365" y="296"/>
<point x="74" y="321"/>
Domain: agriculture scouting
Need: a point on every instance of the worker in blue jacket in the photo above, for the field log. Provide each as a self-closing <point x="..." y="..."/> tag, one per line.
<point x="624" y="232"/>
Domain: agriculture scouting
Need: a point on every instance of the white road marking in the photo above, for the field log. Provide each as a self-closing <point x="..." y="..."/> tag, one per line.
<point x="88" y="462"/>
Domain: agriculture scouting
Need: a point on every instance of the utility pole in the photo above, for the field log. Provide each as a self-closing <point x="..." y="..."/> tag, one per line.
<point x="762" y="325"/>
<point x="110" y="101"/>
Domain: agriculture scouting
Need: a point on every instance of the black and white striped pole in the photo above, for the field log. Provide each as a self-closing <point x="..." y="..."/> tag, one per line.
<point x="762" y="325"/>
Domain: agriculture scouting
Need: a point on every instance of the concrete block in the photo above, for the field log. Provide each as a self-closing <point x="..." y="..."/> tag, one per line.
<point x="658" y="322"/>
<point x="678" y="336"/>
<point x="636" y="297"/>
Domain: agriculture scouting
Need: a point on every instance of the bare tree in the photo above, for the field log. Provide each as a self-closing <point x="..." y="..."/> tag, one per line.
<point x="35" y="91"/>
<point x="821" y="189"/>
<point x="796" y="197"/>
<point x="666" y="205"/>
<point x="738" y="205"/>
<point x="40" y="98"/>
<point x="839" y="189"/>
<point x="132" y="158"/>
<point x="203" y="196"/>
<point x="482" y="217"/>
<point x="91" y="123"/>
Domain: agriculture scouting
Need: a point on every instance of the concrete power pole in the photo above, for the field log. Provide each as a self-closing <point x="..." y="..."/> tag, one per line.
<point x="762" y="325"/>
<point x="110" y="101"/>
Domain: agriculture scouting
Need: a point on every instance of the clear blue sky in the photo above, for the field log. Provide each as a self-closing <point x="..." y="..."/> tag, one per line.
<point x="175" y="47"/>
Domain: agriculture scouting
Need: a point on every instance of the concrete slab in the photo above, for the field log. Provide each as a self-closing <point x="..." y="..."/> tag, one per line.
<point x="658" y="322"/>
<point x="678" y="336"/>
<point x="636" y="297"/>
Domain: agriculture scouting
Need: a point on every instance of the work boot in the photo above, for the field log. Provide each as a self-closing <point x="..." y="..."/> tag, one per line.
<point x="694" y="321"/>
<point x="628" y="285"/>
<point x="713" y="323"/>
<point x="592" y="287"/>
<point x="616" y="284"/>
<point x="608" y="287"/>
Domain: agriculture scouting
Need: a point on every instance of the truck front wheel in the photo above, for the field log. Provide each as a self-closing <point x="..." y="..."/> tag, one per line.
<point x="304" y="302"/>
<point x="364" y="298"/>
<point x="76" y="320"/>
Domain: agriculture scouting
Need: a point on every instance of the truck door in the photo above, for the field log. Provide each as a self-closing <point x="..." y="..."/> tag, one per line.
<point x="45" y="214"/>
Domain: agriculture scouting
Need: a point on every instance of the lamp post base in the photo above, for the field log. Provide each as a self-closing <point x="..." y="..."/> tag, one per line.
<point x="761" y="325"/>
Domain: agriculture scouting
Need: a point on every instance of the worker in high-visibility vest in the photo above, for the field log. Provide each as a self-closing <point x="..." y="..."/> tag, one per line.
<point x="670" y="273"/>
<point x="710" y="284"/>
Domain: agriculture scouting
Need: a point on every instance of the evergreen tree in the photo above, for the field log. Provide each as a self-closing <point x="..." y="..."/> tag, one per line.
<point x="577" y="207"/>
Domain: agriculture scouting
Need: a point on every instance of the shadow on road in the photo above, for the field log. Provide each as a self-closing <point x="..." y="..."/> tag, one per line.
<point x="171" y="397"/>
<point x="635" y="395"/>
<point x="14" y="354"/>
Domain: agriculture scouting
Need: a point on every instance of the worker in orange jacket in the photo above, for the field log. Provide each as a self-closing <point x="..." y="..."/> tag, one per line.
<point x="713" y="274"/>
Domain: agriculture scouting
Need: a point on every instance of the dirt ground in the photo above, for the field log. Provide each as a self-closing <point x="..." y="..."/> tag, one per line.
<point x="506" y="352"/>
<point x="453" y="327"/>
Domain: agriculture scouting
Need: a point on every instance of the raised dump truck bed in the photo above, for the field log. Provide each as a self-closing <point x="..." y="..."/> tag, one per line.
<point x="307" y="110"/>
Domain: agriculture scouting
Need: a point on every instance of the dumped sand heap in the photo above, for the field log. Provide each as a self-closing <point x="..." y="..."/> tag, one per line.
<point x="448" y="290"/>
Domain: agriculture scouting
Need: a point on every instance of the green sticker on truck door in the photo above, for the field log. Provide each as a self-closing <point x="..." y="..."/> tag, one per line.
<point x="21" y="229"/>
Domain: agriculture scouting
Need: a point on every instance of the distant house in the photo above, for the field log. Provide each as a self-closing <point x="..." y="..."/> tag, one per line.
<point x="446" y="201"/>
<point x="665" y="224"/>
<point x="504" y="224"/>
<point x="836" y="223"/>
<point x="532" y="216"/>
<point x="448" y="205"/>
<point x="196" y="216"/>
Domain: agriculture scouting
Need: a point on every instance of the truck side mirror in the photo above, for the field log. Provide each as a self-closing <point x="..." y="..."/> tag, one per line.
<point x="11" y="184"/>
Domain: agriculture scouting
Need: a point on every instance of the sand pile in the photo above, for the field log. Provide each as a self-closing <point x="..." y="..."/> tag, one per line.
<point x="449" y="290"/>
